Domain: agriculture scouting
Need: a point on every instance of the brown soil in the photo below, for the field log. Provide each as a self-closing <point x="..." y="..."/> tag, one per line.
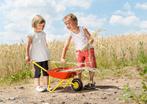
<point x="108" y="91"/>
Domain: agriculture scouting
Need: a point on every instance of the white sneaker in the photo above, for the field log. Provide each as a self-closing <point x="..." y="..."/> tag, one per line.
<point x="40" y="89"/>
<point x="47" y="88"/>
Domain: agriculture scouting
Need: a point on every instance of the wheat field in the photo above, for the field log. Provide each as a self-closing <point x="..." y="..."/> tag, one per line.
<point x="111" y="52"/>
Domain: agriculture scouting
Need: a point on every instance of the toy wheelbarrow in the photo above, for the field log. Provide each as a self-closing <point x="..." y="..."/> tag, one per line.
<point x="64" y="74"/>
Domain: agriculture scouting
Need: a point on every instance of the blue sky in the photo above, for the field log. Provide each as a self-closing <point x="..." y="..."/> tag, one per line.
<point x="113" y="17"/>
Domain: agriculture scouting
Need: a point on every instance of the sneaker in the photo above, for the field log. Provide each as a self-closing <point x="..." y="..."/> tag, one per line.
<point x="87" y="86"/>
<point x="93" y="86"/>
<point x="40" y="89"/>
<point x="47" y="88"/>
<point x="90" y="86"/>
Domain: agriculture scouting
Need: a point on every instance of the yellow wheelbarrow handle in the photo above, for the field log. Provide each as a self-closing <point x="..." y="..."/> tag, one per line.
<point x="39" y="66"/>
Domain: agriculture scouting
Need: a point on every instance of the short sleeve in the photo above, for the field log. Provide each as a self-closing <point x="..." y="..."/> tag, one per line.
<point x="29" y="37"/>
<point x="69" y="33"/>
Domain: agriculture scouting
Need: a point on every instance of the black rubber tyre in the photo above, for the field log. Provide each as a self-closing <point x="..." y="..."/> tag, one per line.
<point x="77" y="84"/>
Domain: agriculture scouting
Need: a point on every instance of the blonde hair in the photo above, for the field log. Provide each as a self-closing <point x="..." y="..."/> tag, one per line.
<point x="71" y="16"/>
<point x="38" y="19"/>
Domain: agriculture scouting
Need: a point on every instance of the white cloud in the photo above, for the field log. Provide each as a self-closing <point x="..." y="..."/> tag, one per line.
<point x="64" y="4"/>
<point x="79" y="3"/>
<point x="91" y="21"/>
<point x="11" y="37"/>
<point x="125" y="11"/>
<point x="124" y="16"/>
<point x="143" y="25"/>
<point x="142" y="6"/>
<point x="18" y="14"/>
<point x="122" y="20"/>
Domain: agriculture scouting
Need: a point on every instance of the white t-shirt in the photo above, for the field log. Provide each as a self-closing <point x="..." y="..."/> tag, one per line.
<point x="80" y="40"/>
<point x="39" y="51"/>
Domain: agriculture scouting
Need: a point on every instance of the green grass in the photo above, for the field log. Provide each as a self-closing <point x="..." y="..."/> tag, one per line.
<point x="19" y="76"/>
<point x="138" y="97"/>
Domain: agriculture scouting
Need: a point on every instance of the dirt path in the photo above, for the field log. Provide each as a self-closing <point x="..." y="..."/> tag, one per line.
<point x="108" y="91"/>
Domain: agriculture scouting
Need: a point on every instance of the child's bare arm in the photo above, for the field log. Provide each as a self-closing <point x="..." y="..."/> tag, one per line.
<point x="29" y="42"/>
<point x="88" y="35"/>
<point x="66" y="45"/>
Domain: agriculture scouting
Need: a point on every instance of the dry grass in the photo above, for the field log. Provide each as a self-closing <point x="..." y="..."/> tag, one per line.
<point x="12" y="59"/>
<point x="120" y="50"/>
<point x="111" y="52"/>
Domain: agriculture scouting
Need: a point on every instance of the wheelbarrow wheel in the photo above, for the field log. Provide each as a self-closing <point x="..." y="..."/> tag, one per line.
<point x="77" y="84"/>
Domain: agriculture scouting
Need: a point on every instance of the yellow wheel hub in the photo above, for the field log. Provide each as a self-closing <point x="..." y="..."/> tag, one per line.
<point x="75" y="85"/>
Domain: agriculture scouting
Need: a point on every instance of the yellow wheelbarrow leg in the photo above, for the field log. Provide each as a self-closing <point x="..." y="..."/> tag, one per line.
<point x="49" y="84"/>
<point x="68" y="82"/>
<point x="59" y="84"/>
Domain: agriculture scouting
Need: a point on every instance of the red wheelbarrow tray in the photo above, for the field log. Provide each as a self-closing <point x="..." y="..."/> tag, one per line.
<point x="59" y="73"/>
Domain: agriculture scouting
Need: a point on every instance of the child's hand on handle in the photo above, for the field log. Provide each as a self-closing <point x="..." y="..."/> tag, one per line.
<point x="28" y="60"/>
<point x="63" y="60"/>
<point x="91" y="40"/>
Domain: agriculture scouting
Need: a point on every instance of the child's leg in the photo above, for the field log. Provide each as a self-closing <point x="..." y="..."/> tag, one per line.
<point x="91" y="62"/>
<point x="45" y="74"/>
<point x="37" y="75"/>
<point x="37" y="81"/>
<point x="40" y="88"/>
<point x="91" y="75"/>
<point x="45" y="81"/>
<point x="37" y="78"/>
